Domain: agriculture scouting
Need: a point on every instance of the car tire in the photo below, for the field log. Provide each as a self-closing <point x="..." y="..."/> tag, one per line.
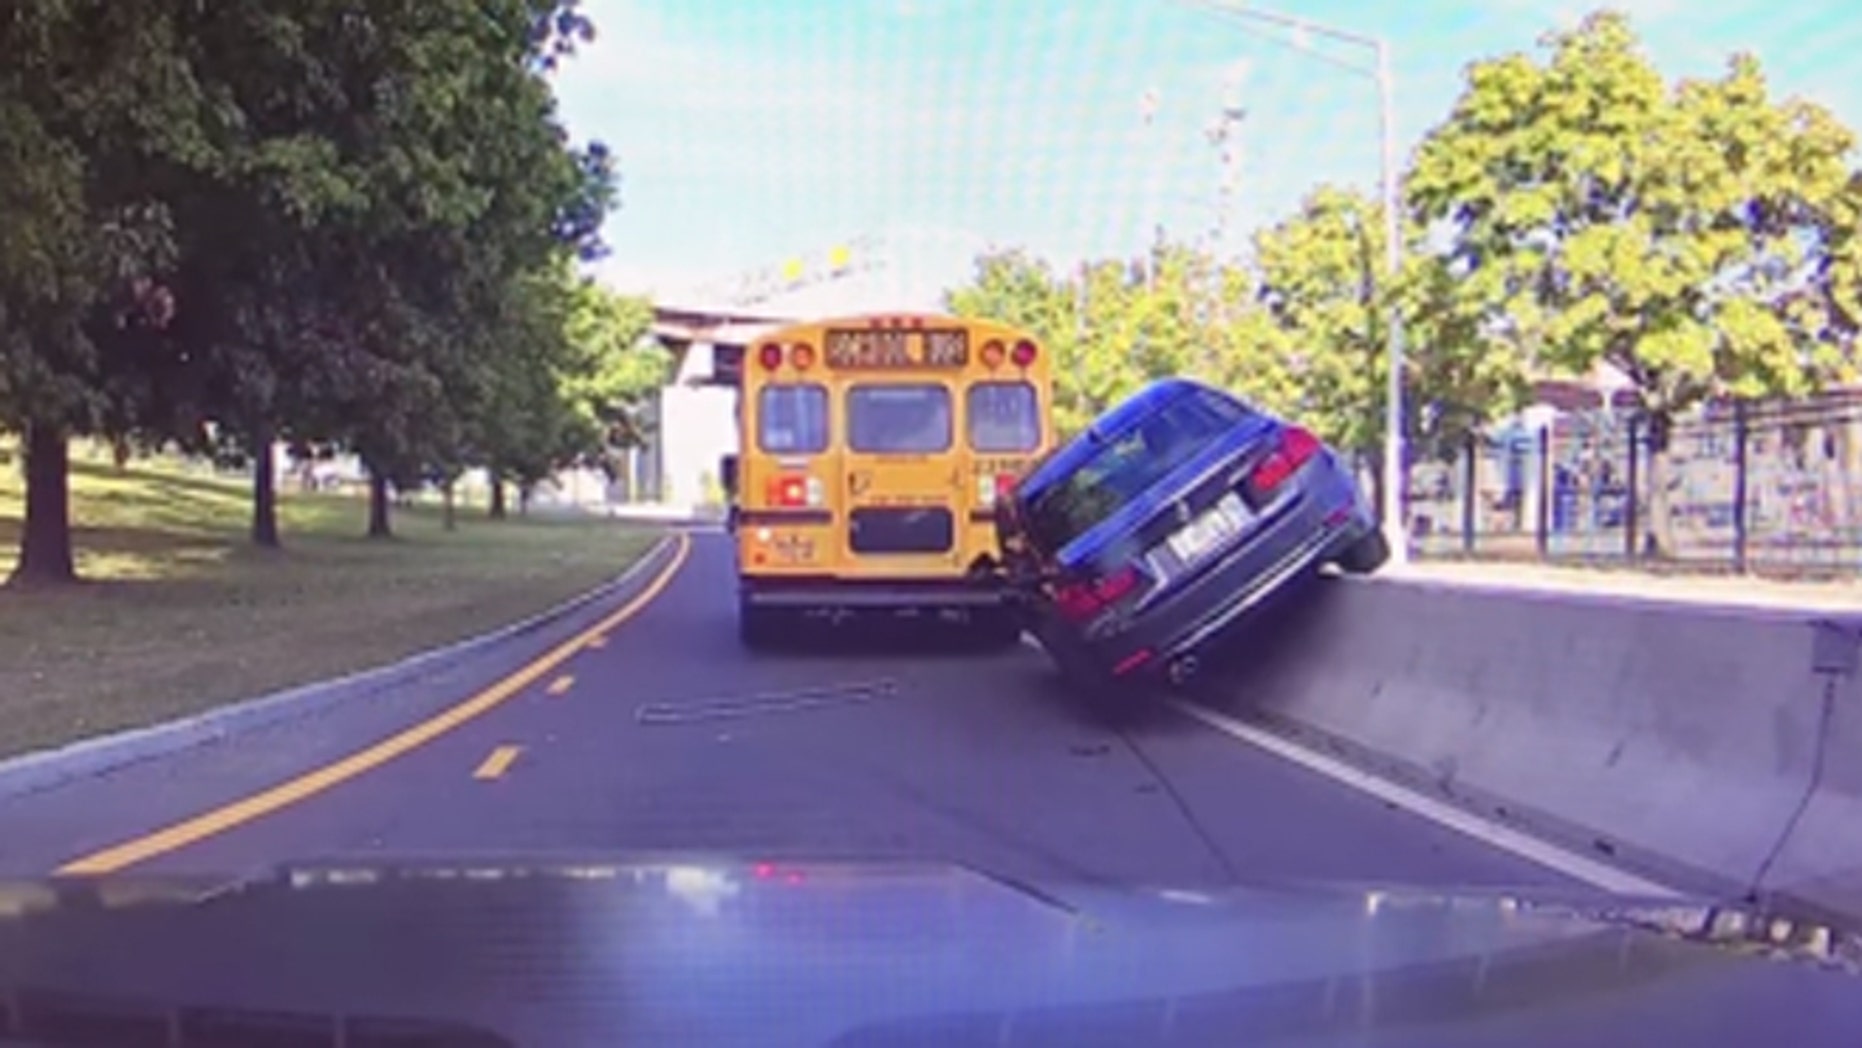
<point x="757" y="628"/>
<point x="1364" y="556"/>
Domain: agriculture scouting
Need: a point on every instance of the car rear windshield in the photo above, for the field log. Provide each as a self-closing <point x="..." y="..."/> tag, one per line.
<point x="1004" y="417"/>
<point x="792" y="419"/>
<point x="898" y="419"/>
<point x="1123" y="468"/>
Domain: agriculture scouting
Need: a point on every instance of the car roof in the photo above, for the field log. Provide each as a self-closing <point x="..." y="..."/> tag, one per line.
<point x="1073" y="454"/>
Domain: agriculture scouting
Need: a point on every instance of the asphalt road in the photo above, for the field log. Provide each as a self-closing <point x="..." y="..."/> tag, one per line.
<point x="669" y="739"/>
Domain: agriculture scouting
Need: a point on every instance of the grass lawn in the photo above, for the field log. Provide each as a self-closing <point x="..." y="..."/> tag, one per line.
<point x="179" y="613"/>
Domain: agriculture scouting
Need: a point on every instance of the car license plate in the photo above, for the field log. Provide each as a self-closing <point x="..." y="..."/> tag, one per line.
<point x="1213" y="529"/>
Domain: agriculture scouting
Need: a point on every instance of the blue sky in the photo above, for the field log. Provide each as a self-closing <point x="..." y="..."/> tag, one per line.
<point x="752" y="130"/>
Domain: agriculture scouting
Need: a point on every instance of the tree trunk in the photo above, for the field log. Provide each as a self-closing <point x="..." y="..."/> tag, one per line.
<point x="523" y="500"/>
<point x="120" y="453"/>
<point x="450" y="520"/>
<point x="497" y="494"/>
<point x="1658" y="542"/>
<point x="264" y="489"/>
<point x="45" y="544"/>
<point x="379" y="506"/>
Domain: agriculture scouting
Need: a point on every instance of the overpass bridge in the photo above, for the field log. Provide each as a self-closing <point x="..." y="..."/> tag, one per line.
<point x="707" y="328"/>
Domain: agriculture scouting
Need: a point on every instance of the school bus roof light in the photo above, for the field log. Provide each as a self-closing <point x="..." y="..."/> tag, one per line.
<point x="802" y="356"/>
<point x="992" y="354"/>
<point x="1025" y="353"/>
<point x="770" y="356"/>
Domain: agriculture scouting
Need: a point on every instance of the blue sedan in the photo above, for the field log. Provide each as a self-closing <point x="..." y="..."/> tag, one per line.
<point x="1139" y="541"/>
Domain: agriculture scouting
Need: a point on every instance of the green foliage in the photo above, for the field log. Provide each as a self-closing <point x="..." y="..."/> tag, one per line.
<point x="232" y="222"/>
<point x="1325" y="281"/>
<point x="1112" y="325"/>
<point x="1699" y="239"/>
<point x="1705" y="239"/>
<point x="615" y="365"/>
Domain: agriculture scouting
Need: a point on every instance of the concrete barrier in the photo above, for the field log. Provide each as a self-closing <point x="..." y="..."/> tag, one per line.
<point x="1718" y="750"/>
<point x="1821" y="860"/>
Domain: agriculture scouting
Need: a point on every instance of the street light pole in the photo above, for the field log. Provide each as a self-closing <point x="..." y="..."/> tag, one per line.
<point x="1395" y="527"/>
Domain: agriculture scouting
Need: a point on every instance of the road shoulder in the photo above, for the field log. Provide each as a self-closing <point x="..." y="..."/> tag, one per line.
<point x="479" y="656"/>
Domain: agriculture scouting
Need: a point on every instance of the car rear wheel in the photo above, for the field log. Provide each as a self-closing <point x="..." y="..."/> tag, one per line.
<point x="1365" y="555"/>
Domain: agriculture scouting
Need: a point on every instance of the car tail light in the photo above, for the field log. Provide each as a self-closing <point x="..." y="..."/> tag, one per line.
<point x="770" y="356"/>
<point x="1293" y="449"/>
<point x="1024" y="353"/>
<point x="992" y="354"/>
<point x="1082" y="599"/>
<point x="802" y="356"/>
<point x="794" y="491"/>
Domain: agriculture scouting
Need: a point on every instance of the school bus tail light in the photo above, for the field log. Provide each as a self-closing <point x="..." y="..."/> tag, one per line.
<point x="796" y="491"/>
<point x="990" y="489"/>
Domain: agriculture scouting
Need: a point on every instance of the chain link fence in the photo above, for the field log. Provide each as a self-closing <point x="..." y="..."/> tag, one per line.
<point x="1742" y="487"/>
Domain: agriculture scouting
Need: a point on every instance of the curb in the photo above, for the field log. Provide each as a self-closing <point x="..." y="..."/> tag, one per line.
<point x="42" y="770"/>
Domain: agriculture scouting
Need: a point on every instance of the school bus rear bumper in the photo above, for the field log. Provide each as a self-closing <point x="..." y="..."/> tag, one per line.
<point x="869" y="594"/>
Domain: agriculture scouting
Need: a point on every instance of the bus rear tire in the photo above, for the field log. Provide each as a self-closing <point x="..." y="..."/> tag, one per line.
<point x="995" y="630"/>
<point x="757" y="628"/>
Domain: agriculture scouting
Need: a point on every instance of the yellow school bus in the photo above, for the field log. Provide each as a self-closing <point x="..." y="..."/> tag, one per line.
<point x="872" y="449"/>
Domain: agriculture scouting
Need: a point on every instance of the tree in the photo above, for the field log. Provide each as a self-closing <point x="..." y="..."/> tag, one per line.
<point x="100" y="111"/>
<point x="468" y="190"/>
<point x="1325" y="280"/>
<point x="1013" y="288"/>
<point x="615" y="366"/>
<point x="1105" y="332"/>
<point x="1700" y="240"/>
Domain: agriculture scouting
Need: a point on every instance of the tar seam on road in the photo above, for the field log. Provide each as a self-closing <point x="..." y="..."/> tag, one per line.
<point x="246" y="809"/>
<point x="599" y="640"/>
<point x="1182" y="805"/>
<point x="796" y="701"/>
<point x="561" y="685"/>
<point x="497" y="762"/>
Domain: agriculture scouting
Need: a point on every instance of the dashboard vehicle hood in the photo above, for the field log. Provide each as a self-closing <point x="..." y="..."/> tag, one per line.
<point x="693" y="953"/>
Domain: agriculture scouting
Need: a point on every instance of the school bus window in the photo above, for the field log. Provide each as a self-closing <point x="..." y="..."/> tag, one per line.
<point x="898" y="419"/>
<point x="1004" y="417"/>
<point x="792" y="419"/>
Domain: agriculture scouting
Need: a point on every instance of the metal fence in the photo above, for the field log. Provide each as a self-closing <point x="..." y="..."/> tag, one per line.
<point x="1744" y="487"/>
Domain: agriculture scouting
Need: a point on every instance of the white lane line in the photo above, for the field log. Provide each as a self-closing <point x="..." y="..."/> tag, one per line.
<point x="1497" y="835"/>
<point x="1570" y="863"/>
